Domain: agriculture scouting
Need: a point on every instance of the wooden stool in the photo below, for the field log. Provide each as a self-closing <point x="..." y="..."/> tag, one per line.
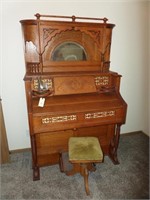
<point x="83" y="153"/>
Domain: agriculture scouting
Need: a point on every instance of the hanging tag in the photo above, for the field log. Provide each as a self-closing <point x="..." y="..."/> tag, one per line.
<point x="41" y="102"/>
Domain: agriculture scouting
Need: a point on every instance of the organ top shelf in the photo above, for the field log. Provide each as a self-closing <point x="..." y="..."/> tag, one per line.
<point x="58" y="46"/>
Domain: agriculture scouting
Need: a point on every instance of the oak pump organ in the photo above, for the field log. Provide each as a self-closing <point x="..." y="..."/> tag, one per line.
<point x="70" y="90"/>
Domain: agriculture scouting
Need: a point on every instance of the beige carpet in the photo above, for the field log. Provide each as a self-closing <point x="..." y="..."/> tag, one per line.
<point x="128" y="180"/>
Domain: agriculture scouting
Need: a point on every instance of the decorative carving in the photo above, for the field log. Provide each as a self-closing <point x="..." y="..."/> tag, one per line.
<point x="114" y="145"/>
<point x="73" y="17"/>
<point x="57" y="119"/>
<point x="95" y="35"/>
<point x="33" y="67"/>
<point x="106" y="66"/>
<point x="107" y="48"/>
<point x="49" y="33"/>
<point x="31" y="53"/>
<point x="101" y="80"/>
<point x="74" y="85"/>
<point x="100" y="114"/>
<point x="47" y="82"/>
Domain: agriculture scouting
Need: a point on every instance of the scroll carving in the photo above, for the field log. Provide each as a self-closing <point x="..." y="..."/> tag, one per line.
<point x="49" y="33"/>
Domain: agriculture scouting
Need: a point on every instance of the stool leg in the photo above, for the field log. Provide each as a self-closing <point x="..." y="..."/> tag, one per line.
<point x="61" y="166"/>
<point x="85" y="174"/>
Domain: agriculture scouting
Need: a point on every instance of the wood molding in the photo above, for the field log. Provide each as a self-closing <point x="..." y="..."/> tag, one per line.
<point x="4" y="150"/>
<point x="20" y="150"/>
<point x="133" y="133"/>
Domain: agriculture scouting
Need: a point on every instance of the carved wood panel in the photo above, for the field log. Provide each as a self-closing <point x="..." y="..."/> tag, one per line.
<point x="74" y="85"/>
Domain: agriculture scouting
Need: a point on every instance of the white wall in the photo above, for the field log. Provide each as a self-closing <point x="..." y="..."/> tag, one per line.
<point x="129" y="57"/>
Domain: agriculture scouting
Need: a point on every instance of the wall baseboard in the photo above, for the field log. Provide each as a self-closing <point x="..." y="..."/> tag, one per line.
<point x="20" y="150"/>
<point x="134" y="133"/>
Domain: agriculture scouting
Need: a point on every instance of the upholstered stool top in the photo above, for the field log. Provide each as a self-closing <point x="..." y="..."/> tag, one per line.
<point x="85" y="149"/>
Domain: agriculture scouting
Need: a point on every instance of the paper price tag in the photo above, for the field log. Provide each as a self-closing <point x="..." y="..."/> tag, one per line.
<point x="41" y="102"/>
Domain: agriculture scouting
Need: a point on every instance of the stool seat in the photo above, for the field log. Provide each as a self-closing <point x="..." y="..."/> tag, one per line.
<point x="84" y="150"/>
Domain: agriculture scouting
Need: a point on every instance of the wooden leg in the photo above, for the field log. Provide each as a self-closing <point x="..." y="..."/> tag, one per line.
<point x="66" y="166"/>
<point x="61" y="166"/>
<point x="86" y="181"/>
<point x="36" y="170"/>
<point x="74" y="170"/>
<point x="91" y="167"/>
<point x="114" y="145"/>
<point x="36" y="173"/>
<point x="85" y="173"/>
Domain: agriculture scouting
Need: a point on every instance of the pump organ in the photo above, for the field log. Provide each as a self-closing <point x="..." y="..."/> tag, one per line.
<point x="70" y="90"/>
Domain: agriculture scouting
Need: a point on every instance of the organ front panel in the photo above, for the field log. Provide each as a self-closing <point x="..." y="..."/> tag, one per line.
<point x="70" y="89"/>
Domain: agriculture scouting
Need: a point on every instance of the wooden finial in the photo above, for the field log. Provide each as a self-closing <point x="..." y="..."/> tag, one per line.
<point x="37" y="15"/>
<point x="73" y="18"/>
